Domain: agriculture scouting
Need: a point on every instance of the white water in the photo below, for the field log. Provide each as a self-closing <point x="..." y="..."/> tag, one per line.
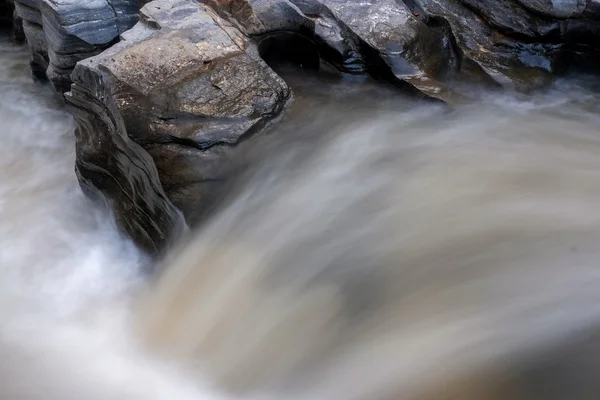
<point x="66" y="275"/>
<point x="414" y="254"/>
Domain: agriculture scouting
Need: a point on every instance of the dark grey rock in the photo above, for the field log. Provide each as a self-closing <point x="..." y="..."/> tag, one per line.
<point x="593" y="9"/>
<point x="512" y="63"/>
<point x="72" y="30"/>
<point x="17" y="33"/>
<point x="431" y="44"/>
<point x="556" y="8"/>
<point x="112" y="167"/>
<point x="187" y="91"/>
<point x="389" y="39"/>
<point x="77" y="30"/>
<point x="36" y="40"/>
<point x="511" y="17"/>
<point x="29" y="13"/>
<point x="94" y="22"/>
<point x="382" y="37"/>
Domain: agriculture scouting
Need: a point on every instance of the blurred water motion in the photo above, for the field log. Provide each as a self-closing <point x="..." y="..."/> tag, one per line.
<point x="402" y="256"/>
<point x="379" y="249"/>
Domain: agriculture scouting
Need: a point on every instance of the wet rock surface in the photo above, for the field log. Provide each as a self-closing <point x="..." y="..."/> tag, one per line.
<point x="432" y="44"/>
<point x="187" y="90"/>
<point x="62" y="32"/>
<point x="382" y="38"/>
<point x="28" y="12"/>
<point x="113" y="168"/>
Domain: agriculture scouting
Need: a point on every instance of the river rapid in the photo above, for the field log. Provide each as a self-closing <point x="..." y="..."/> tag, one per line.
<point x="379" y="248"/>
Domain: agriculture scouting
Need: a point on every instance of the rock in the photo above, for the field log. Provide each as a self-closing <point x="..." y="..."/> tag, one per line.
<point x="29" y="12"/>
<point x="593" y="9"/>
<point x="17" y="33"/>
<point x="165" y="106"/>
<point x="432" y="44"/>
<point x="556" y="8"/>
<point x="521" y="44"/>
<point x="511" y="63"/>
<point x="75" y="32"/>
<point x="382" y="37"/>
<point x="62" y="32"/>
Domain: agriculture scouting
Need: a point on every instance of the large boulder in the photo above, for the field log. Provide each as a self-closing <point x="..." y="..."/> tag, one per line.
<point x="17" y="34"/>
<point x="164" y="108"/>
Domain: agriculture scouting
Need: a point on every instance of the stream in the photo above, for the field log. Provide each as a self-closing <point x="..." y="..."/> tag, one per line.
<point x="379" y="248"/>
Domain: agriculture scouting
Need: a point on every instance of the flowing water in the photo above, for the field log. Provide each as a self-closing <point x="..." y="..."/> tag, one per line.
<point x="381" y="248"/>
<point x="66" y="275"/>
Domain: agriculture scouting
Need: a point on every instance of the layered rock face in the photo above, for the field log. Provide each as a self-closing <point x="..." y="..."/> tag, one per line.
<point x="160" y="112"/>
<point x="76" y="30"/>
<point x="28" y="12"/>
<point x="62" y="32"/>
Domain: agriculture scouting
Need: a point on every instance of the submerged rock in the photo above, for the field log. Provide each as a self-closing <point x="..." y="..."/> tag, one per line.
<point x="162" y="108"/>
